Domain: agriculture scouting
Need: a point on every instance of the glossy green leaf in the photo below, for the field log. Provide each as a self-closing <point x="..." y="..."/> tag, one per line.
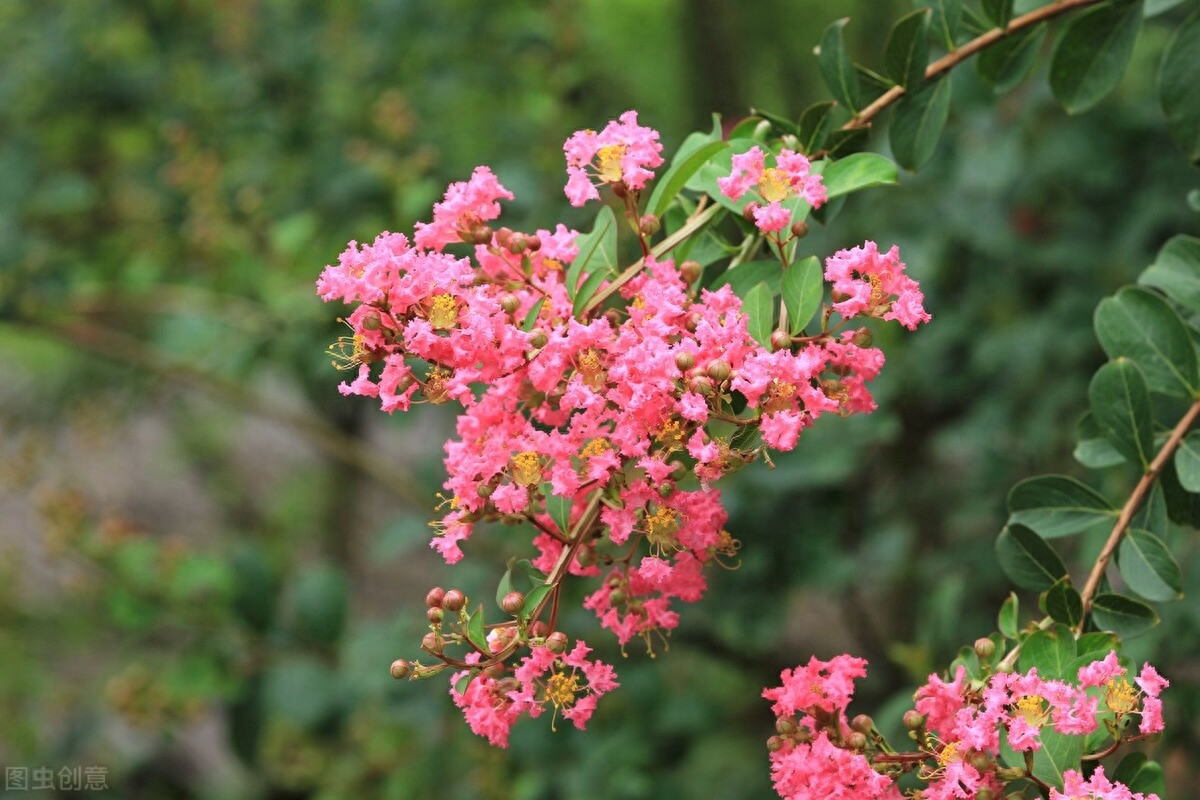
<point x="814" y="126"/>
<point x="780" y="125"/>
<point x="672" y="181"/>
<point x="1122" y="615"/>
<point x="597" y="252"/>
<point x="759" y="308"/>
<point x="476" y="633"/>
<point x="1093" y="642"/>
<point x="917" y="123"/>
<point x="559" y="508"/>
<point x="1063" y="603"/>
<point x="1148" y="568"/>
<point x="836" y="67"/>
<point x="802" y="288"/>
<point x="858" y="171"/>
<point x="1027" y="559"/>
<point x="1139" y="774"/>
<point x="1059" y="752"/>
<point x="999" y="12"/>
<point x="1094" y="450"/>
<point x="1092" y="54"/>
<point x="843" y="143"/>
<point x="1051" y="651"/>
<point x="1007" y="62"/>
<point x="907" y="50"/>
<point x="1056" y="505"/>
<point x="947" y="17"/>
<point x="534" y="597"/>
<point x="1176" y="271"/>
<point x="460" y="686"/>
<point x="1007" y="620"/>
<point x="744" y="277"/>
<point x="505" y="586"/>
<point x="873" y="84"/>
<point x="1121" y="407"/>
<point x="532" y="317"/>
<point x="1187" y="462"/>
<point x="1152" y="516"/>
<point x="1179" y="86"/>
<point x="1142" y="326"/>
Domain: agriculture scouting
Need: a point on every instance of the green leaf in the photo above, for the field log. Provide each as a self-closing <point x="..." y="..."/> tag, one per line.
<point x="744" y="277"/>
<point x="1179" y="86"/>
<point x="1058" y="753"/>
<point x="1122" y="615"/>
<point x="597" y="252"/>
<point x="1056" y="505"/>
<point x="1187" y="462"/>
<point x="815" y="123"/>
<point x="589" y="288"/>
<point x="1094" y="450"/>
<point x="676" y="177"/>
<point x="917" y="123"/>
<point x="837" y="68"/>
<point x="533" y="598"/>
<point x="475" y="630"/>
<point x="907" y="50"/>
<point x="998" y="11"/>
<point x="858" y="171"/>
<point x="1152" y="516"/>
<point x="1137" y="772"/>
<point x="844" y="143"/>
<point x="559" y="508"/>
<point x="1051" y="651"/>
<point x="1092" y="54"/>
<point x="1155" y="7"/>
<point x="1141" y="325"/>
<point x="1027" y="559"/>
<point x="1063" y="603"/>
<point x="1096" y="642"/>
<point x="759" y="308"/>
<point x="1007" y="62"/>
<point x="782" y="126"/>
<point x="1148" y="567"/>
<point x="506" y="584"/>
<point x="873" y="84"/>
<point x="460" y="687"/>
<point x="947" y="16"/>
<point x="1121" y="407"/>
<point x="1007" y="619"/>
<point x="1176" y="271"/>
<point x="802" y="287"/>
<point x="532" y="317"/>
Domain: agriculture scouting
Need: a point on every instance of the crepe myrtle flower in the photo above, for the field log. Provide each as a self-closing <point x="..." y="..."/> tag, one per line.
<point x="624" y="153"/>
<point x="788" y="179"/>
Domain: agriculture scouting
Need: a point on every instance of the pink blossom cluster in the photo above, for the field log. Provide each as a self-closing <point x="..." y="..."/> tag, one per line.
<point x="1097" y="787"/>
<point x="623" y="153"/>
<point x="789" y="179"/>
<point x="567" y="683"/>
<point x="813" y="762"/>
<point x="866" y="281"/>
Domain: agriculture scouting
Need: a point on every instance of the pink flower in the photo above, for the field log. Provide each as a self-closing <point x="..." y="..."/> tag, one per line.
<point x="820" y="770"/>
<point x="1098" y="787"/>
<point x="788" y="179"/>
<point x="874" y="284"/>
<point x="464" y="206"/>
<point x="624" y="152"/>
<point x="818" y="686"/>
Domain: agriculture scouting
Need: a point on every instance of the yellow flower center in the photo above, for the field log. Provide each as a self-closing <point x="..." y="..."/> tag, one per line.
<point x="595" y="447"/>
<point x="661" y="526"/>
<point x="1119" y="696"/>
<point x="561" y="689"/>
<point x="609" y="162"/>
<point x="774" y="186"/>
<point x="1031" y="709"/>
<point x="443" y="314"/>
<point x="526" y="468"/>
<point x="589" y="368"/>
<point x="670" y="435"/>
<point x="639" y="301"/>
<point x="435" y="385"/>
<point x="779" y="396"/>
<point x="552" y="264"/>
<point x="948" y="754"/>
<point x="726" y="544"/>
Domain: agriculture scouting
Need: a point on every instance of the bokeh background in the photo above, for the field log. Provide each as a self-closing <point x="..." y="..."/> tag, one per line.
<point x="208" y="558"/>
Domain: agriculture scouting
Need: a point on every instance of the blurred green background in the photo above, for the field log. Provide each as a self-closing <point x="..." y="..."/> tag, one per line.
<point x="209" y="557"/>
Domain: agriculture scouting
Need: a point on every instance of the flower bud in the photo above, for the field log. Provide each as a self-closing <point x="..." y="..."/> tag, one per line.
<point x="649" y="225"/>
<point x="432" y="643"/>
<point x="985" y="648"/>
<point x="620" y="189"/>
<point x="481" y="234"/>
<point x="690" y="271"/>
<point x="1005" y="668"/>
<point x="371" y="320"/>
<point x="484" y="491"/>
<point x="510" y="303"/>
<point x="435" y="615"/>
<point x="775" y="743"/>
<point x="539" y="629"/>
<point x="979" y="761"/>
<point x="692" y="322"/>
<point x="666" y="490"/>
<point x="503" y="237"/>
<point x="538" y="338"/>
<point x="454" y="601"/>
<point x="718" y="371"/>
<point x="839" y="296"/>
<point x="856" y="741"/>
<point x="586" y="556"/>
<point x="679" y="470"/>
<point x="701" y="385"/>
<point x="862" y="723"/>
<point x="494" y="671"/>
<point x="684" y="360"/>
<point x="1006" y="774"/>
<point x="512" y="603"/>
<point x="616" y="597"/>
<point x="401" y="669"/>
<point x="517" y="243"/>
<point x="557" y="642"/>
<point x="785" y="726"/>
<point x="780" y="340"/>
<point x="799" y="229"/>
<point x="913" y="719"/>
<point x="533" y="242"/>
<point x="863" y="337"/>
<point x="985" y="793"/>
<point x="749" y="209"/>
<point x="434" y="598"/>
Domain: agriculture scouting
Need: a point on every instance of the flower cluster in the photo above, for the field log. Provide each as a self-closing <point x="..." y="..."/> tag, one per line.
<point x="788" y="180"/>
<point x="1097" y="787"/>
<point x="624" y="153"/>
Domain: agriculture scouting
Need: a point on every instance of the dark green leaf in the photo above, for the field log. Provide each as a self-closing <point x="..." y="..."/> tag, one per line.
<point x="873" y="84"/>
<point x="744" y="277"/>
<point x="843" y="143"/>
<point x="1051" y="651"/>
<point x="475" y="631"/>
<point x="1094" y="450"/>
<point x="917" y="123"/>
<point x="532" y="317"/>
<point x="1056" y="505"/>
<point x="460" y="687"/>
<point x="1121" y="407"/>
<point x="255" y="587"/>
<point x="1148" y="567"/>
<point x="759" y="308"/>
<point x="559" y="508"/>
<point x="814" y="126"/>
<point x="589" y="288"/>
<point x="1027" y="559"/>
<point x="837" y="68"/>
<point x="1092" y="54"/>
<point x="1007" y="62"/>
<point x="1094" y="642"/>
<point x="1187" y="462"/>
<point x="597" y="252"/>
<point x="1155" y="7"/>
<point x="856" y="172"/>
<point x="1122" y="615"/>
<point x="1179" y="86"/>
<point x="1176" y="271"/>
<point x="1141" y="325"/>
<point x="1007" y="619"/>
<point x="998" y="11"/>
<point x="947" y="16"/>
<point x="1139" y="774"/>
<point x="674" y="179"/>
<point x="533" y="598"/>
<point x="1058" y="753"/>
<point x="781" y="125"/>
<point x="1152" y="516"/>
<point x="505" y="586"/>
<point x="907" y="49"/>
<point x="1063" y="603"/>
<point x="802" y="289"/>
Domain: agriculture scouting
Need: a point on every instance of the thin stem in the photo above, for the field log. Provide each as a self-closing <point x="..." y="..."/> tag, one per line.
<point x="955" y="57"/>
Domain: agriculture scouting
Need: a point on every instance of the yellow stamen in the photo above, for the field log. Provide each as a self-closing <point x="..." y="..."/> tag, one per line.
<point x="443" y="314"/>
<point x="661" y="526"/>
<point x="774" y="186"/>
<point x="948" y="754"/>
<point x="779" y="396"/>
<point x="435" y="385"/>
<point x="561" y="689"/>
<point x="638" y="301"/>
<point x="609" y="162"/>
<point x="670" y="435"/>
<point x="526" y="468"/>
<point x="1119" y="696"/>
<point x="1031" y="708"/>
<point x="595" y="447"/>
<point x="589" y="368"/>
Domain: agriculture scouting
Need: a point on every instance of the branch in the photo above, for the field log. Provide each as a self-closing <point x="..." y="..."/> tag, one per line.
<point x="955" y="57"/>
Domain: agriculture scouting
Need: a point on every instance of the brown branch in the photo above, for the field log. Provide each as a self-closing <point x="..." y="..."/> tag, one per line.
<point x="955" y="57"/>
